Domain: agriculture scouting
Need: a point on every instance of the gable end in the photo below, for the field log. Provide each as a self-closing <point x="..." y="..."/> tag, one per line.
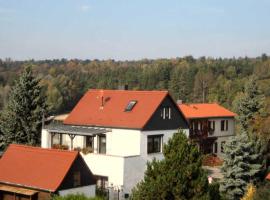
<point x="175" y="121"/>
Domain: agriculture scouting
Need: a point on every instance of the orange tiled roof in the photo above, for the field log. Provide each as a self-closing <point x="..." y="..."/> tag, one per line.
<point x="35" y="167"/>
<point x="204" y="110"/>
<point x="89" y="110"/>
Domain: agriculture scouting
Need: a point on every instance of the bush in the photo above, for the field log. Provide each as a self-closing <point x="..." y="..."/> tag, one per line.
<point x="75" y="197"/>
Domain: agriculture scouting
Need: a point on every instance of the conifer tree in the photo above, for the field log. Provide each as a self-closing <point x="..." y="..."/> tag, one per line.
<point x="242" y="165"/>
<point x="21" y="119"/>
<point x="178" y="176"/>
<point x="2" y="144"/>
<point x="249" y="103"/>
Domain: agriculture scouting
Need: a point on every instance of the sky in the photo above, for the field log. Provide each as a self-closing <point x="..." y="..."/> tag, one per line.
<point x="133" y="29"/>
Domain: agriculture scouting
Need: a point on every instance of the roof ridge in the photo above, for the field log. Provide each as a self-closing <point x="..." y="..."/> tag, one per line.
<point x="197" y="103"/>
<point x="133" y="91"/>
<point x="43" y="149"/>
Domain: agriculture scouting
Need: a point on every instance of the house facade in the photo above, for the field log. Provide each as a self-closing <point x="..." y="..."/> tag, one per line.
<point x="210" y="125"/>
<point x="117" y="132"/>
<point x="35" y="173"/>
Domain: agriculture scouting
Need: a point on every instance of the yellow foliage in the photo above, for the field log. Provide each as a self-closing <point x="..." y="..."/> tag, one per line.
<point x="250" y="192"/>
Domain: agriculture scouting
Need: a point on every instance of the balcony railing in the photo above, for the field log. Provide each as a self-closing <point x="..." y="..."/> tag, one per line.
<point x="198" y="134"/>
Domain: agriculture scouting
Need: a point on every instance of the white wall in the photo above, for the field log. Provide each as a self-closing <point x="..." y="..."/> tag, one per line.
<point x="106" y="165"/>
<point x="123" y="142"/>
<point x="167" y="134"/>
<point x="135" y="166"/>
<point x="125" y="160"/>
<point x="88" y="191"/>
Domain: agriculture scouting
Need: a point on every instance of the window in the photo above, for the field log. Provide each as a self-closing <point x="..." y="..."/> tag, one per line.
<point x="102" y="181"/>
<point x="166" y="113"/>
<point x="154" y="143"/>
<point x="215" y="147"/>
<point x="76" y="179"/>
<point x="222" y="146"/>
<point x="130" y="105"/>
<point x="224" y="125"/>
<point x="102" y="144"/>
<point x="89" y="141"/>
<point x="211" y="125"/>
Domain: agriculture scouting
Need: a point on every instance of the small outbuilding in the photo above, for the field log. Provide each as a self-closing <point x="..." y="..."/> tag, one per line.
<point x="36" y="174"/>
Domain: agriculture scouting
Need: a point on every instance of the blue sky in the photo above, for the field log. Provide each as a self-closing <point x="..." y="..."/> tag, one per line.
<point x="133" y="29"/>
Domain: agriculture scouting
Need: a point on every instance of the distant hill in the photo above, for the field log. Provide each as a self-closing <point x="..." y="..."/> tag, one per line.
<point x="189" y="79"/>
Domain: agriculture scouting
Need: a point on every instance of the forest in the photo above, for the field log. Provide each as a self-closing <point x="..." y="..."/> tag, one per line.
<point x="188" y="79"/>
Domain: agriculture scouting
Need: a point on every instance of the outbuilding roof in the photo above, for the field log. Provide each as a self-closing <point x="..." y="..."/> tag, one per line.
<point x="35" y="167"/>
<point x="116" y="108"/>
<point x="205" y="110"/>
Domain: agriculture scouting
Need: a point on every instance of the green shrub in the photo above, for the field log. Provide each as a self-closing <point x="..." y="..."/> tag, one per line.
<point x="75" y="197"/>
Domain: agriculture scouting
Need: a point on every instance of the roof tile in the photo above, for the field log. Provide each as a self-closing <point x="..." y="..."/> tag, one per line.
<point x="205" y="110"/>
<point x="89" y="110"/>
<point x="35" y="167"/>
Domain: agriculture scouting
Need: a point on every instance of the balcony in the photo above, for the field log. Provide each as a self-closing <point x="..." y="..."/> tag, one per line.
<point x="198" y="134"/>
<point x="202" y="132"/>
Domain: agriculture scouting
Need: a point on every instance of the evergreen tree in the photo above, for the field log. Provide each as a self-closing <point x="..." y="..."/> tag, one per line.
<point x="242" y="165"/>
<point x="178" y="176"/>
<point x="249" y="104"/>
<point x="21" y="119"/>
<point x="2" y="144"/>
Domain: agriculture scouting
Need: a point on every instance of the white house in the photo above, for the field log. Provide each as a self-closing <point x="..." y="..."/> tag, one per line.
<point x="118" y="131"/>
<point x="210" y="124"/>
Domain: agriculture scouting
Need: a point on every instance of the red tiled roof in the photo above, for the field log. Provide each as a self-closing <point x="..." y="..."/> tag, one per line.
<point x="268" y="177"/>
<point x="90" y="112"/>
<point x="35" y="167"/>
<point x="204" y="110"/>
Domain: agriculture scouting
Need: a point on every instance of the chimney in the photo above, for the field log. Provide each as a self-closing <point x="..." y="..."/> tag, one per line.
<point x="179" y="102"/>
<point x="123" y="87"/>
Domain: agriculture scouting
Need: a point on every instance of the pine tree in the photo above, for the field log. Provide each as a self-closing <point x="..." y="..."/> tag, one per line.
<point x="178" y="176"/>
<point x="21" y="119"/>
<point x="249" y="103"/>
<point x="242" y="165"/>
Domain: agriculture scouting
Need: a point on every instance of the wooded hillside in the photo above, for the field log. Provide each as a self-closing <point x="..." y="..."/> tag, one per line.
<point x="188" y="79"/>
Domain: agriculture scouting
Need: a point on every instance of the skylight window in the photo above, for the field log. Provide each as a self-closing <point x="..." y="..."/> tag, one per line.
<point x="130" y="105"/>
